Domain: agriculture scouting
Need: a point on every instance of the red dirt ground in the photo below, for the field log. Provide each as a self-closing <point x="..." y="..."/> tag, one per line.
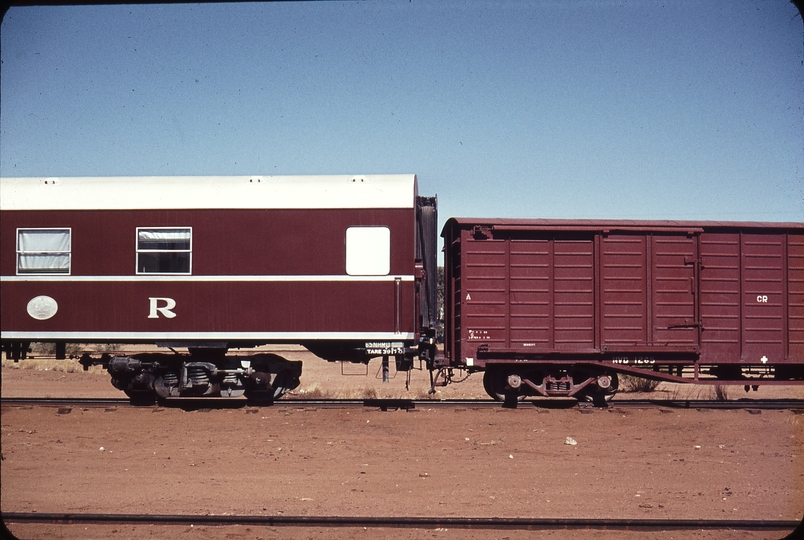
<point x="434" y="462"/>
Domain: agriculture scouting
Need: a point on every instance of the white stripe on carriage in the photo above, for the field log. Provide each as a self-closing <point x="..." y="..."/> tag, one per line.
<point x="182" y="278"/>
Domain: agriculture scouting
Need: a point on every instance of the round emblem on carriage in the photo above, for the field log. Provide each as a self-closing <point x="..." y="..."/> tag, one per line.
<point x="42" y="308"/>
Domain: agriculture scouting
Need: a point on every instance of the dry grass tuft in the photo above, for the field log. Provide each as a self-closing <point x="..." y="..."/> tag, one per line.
<point x="315" y="391"/>
<point x="41" y="357"/>
<point x="312" y="391"/>
<point x="721" y="392"/>
<point x="630" y="383"/>
<point x="49" y="364"/>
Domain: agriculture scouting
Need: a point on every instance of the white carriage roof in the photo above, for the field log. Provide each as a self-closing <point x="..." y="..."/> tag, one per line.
<point x="212" y="192"/>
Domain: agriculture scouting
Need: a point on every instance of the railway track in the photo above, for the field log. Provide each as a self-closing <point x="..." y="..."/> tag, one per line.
<point x="406" y="404"/>
<point x="402" y="522"/>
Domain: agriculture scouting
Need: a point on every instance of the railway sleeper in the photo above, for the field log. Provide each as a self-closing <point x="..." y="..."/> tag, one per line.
<point x="149" y="377"/>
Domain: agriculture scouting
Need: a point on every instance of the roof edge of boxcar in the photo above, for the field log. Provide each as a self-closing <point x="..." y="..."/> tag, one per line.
<point x="208" y="192"/>
<point x="513" y="224"/>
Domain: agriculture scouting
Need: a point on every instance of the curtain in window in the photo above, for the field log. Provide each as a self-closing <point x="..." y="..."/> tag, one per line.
<point x="43" y="250"/>
<point x="164" y="251"/>
<point x="163" y="239"/>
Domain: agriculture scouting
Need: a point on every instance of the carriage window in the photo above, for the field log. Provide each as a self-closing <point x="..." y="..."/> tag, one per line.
<point x="164" y="250"/>
<point x="43" y="251"/>
<point x="368" y="251"/>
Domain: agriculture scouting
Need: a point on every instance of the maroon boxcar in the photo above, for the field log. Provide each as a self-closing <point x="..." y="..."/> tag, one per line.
<point x="336" y="263"/>
<point x="559" y="307"/>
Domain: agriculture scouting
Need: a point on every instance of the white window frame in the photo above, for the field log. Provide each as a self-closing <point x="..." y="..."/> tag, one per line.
<point x="39" y="272"/>
<point x="138" y="251"/>
<point x="368" y="251"/>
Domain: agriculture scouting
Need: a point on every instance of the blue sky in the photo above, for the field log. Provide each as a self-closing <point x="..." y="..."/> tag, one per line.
<point x="564" y="109"/>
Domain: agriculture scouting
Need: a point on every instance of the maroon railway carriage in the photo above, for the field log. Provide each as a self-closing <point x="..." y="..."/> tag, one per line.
<point x="338" y="264"/>
<point x="558" y="307"/>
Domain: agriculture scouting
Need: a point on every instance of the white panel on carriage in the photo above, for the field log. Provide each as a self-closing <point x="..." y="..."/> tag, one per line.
<point x="208" y="192"/>
<point x="368" y="251"/>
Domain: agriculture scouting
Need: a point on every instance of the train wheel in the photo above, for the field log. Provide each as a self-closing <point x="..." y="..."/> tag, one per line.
<point x="167" y="385"/>
<point x="259" y="399"/>
<point x="139" y="389"/>
<point x="141" y="399"/>
<point x="285" y="381"/>
<point x="602" y="391"/>
<point x="495" y="382"/>
<point x="258" y="389"/>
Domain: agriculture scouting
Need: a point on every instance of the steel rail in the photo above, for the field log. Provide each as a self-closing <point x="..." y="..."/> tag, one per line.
<point x="771" y="404"/>
<point x="54" y="402"/>
<point x="406" y="522"/>
<point x="404" y="404"/>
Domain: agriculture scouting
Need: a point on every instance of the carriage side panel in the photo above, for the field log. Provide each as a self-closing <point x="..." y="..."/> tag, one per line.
<point x="659" y="295"/>
<point x="254" y="274"/>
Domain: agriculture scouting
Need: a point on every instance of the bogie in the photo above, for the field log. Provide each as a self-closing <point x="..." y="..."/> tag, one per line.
<point x="519" y="382"/>
<point x="149" y="377"/>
